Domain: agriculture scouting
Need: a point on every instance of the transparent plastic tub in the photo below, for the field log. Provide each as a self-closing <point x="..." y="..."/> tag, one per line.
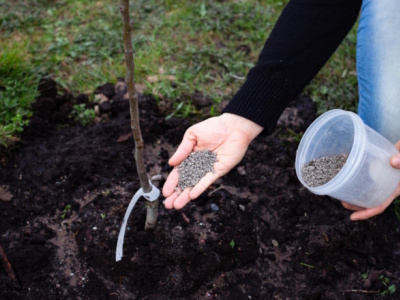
<point x="367" y="179"/>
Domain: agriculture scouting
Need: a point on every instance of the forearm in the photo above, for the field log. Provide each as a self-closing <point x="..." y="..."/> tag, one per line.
<point x="304" y="37"/>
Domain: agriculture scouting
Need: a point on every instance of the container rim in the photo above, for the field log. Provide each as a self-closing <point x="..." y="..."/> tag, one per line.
<point x="353" y="162"/>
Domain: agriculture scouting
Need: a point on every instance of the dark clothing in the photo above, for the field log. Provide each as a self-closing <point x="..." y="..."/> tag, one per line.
<point x="306" y="34"/>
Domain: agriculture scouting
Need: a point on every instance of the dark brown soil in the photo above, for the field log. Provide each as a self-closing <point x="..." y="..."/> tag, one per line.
<point x="269" y="239"/>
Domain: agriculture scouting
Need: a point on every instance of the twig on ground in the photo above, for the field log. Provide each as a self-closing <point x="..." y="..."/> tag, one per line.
<point x="217" y="189"/>
<point x="185" y="218"/>
<point x="7" y="266"/>
<point x="361" y="291"/>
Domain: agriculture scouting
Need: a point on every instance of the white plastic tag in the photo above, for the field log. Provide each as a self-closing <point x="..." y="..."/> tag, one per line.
<point x="151" y="196"/>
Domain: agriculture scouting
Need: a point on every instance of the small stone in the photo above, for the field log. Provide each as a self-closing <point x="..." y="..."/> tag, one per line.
<point x="120" y="88"/>
<point x="214" y="207"/>
<point x="5" y="194"/>
<point x="94" y="228"/>
<point x="242" y="207"/>
<point x="152" y="78"/>
<point x="275" y="243"/>
<point x="97" y="110"/>
<point x="241" y="170"/>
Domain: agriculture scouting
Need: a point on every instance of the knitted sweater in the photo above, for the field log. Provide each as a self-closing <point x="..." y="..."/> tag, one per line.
<point x="306" y="34"/>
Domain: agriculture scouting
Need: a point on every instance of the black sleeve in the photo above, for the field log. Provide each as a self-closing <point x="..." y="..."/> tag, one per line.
<point x="306" y="34"/>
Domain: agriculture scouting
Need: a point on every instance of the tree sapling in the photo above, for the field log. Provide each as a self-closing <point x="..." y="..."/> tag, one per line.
<point x="148" y="191"/>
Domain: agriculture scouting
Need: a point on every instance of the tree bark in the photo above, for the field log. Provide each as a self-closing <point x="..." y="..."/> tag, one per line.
<point x="152" y="207"/>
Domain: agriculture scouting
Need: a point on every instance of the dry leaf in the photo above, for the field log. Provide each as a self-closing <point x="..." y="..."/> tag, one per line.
<point x="124" y="137"/>
<point x="170" y="77"/>
<point x="140" y="87"/>
<point x="152" y="79"/>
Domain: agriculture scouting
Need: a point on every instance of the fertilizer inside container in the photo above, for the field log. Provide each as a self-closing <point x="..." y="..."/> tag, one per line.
<point x="319" y="171"/>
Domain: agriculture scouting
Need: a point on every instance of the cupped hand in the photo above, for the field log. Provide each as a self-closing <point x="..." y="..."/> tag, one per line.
<point x="365" y="213"/>
<point x="228" y="136"/>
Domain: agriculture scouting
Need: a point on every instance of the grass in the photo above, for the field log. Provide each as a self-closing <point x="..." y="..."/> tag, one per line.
<point x="81" y="115"/>
<point x="205" y="46"/>
<point x="18" y="89"/>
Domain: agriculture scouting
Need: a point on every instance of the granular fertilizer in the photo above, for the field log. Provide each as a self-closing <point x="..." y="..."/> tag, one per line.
<point x="319" y="171"/>
<point x="195" y="167"/>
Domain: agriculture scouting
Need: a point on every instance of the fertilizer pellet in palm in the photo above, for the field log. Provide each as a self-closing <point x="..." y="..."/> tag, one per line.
<point x="195" y="167"/>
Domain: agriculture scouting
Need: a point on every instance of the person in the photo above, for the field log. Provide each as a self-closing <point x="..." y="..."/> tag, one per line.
<point x="306" y="34"/>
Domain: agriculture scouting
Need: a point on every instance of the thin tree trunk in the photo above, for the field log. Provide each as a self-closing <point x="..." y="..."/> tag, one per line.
<point x="152" y="206"/>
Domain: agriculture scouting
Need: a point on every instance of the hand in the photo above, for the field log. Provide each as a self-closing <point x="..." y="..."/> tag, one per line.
<point x="227" y="135"/>
<point x="365" y="213"/>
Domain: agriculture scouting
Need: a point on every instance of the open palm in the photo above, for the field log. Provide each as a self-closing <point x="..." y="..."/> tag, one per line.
<point x="228" y="136"/>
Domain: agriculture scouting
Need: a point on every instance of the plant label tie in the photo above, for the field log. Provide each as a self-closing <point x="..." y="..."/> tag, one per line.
<point x="150" y="196"/>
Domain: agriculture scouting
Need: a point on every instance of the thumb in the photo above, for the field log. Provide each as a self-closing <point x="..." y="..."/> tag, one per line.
<point x="185" y="148"/>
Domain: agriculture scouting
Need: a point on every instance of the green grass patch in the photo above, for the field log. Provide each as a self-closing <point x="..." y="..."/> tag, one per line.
<point x="207" y="46"/>
<point x="18" y="89"/>
<point x="82" y="115"/>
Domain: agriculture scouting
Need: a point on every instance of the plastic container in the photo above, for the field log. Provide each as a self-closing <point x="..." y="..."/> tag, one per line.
<point x="367" y="179"/>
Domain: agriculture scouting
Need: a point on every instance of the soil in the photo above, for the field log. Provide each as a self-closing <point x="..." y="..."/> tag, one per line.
<point x="65" y="189"/>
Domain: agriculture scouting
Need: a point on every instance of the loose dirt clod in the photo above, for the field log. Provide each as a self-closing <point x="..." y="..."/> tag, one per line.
<point x="319" y="171"/>
<point x="195" y="167"/>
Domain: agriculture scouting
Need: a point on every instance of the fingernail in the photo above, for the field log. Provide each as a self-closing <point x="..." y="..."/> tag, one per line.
<point x="396" y="161"/>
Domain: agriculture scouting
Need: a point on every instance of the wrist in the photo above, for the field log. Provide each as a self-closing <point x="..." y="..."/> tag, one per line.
<point x="248" y="127"/>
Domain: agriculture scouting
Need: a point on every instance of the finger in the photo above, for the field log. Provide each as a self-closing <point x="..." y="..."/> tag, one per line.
<point x="171" y="183"/>
<point x="395" y="161"/>
<point x="366" y="213"/>
<point x="397" y="145"/>
<point x="371" y="212"/>
<point x="203" y="184"/>
<point x="184" y="149"/>
<point x="182" y="199"/>
<point x="351" y="207"/>
<point x="169" y="202"/>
